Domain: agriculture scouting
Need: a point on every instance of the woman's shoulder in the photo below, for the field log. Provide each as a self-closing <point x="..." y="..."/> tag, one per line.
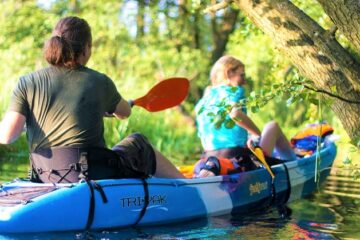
<point x="96" y="74"/>
<point x="37" y="74"/>
<point x="225" y="90"/>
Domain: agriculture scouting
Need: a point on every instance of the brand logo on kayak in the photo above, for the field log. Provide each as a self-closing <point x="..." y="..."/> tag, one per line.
<point x="257" y="187"/>
<point x="139" y="201"/>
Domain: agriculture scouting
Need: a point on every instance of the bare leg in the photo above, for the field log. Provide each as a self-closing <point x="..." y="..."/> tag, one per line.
<point x="164" y="168"/>
<point x="273" y="137"/>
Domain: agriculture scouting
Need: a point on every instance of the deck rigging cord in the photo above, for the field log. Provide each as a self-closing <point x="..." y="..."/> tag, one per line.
<point x="318" y="143"/>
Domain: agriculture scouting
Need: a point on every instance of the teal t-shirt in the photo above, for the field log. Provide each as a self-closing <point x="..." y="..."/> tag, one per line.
<point x="228" y="134"/>
<point x="65" y="107"/>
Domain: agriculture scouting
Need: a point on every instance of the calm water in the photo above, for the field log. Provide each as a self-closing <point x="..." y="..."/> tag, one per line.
<point x="327" y="214"/>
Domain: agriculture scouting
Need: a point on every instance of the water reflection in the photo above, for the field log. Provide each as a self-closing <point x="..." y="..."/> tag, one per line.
<point x="341" y="183"/>
<point x="331" y="211"/>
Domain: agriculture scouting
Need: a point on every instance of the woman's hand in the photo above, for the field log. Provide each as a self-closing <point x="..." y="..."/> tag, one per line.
<point x="106" y="114"/>
<point x="253" y="141"/>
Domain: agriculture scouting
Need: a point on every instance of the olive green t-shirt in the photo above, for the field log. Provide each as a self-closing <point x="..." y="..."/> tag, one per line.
<point x="65" y="107"/>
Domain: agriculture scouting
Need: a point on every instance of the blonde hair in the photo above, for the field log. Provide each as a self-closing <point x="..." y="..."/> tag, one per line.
<point x="222" y="67"/>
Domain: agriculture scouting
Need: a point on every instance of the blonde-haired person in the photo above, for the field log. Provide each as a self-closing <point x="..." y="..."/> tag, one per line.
<point x="226" y="141"/>
<point x="63" y="106"/>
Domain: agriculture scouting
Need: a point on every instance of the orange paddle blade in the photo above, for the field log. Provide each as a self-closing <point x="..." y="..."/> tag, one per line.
<point x="166" y="94"/>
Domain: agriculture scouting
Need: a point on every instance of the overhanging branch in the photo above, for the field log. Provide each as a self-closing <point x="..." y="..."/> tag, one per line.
<point x="216" y="7"/>
<point x="331" y="95"/>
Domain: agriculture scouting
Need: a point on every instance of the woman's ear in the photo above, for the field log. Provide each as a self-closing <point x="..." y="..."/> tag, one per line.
<point x="87" y="49"/>
<point x="230" y="74"/>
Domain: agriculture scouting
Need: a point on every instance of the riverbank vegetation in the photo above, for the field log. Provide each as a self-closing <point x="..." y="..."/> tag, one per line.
<point x="138" y="43"/>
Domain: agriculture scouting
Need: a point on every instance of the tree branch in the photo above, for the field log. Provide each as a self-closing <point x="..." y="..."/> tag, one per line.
<point x="331" y="95"/>
<point x="330" y="47"/>
<point x="332" y="31"/>
<point x="216" y="7"/>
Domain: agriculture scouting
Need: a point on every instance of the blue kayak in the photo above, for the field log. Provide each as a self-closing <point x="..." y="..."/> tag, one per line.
<point x="27" y="207"/>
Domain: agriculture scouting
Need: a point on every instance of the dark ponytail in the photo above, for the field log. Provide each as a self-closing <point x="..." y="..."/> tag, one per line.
<point x="69" y="39"/>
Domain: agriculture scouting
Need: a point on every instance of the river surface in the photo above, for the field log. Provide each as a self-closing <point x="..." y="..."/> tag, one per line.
<point x="333" y="212"/>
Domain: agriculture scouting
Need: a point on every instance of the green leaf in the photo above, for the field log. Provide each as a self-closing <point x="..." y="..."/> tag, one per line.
<point x="313" y="100"/>
<point x="229" y="123"/>
<point x="333" y="89"/>
<point x="217" y="125"/>
<point x="253" y="94"/>
<point x="233" y="89"/>
<point x="353" y="149"/>
<point x="347" y="160"/>
<point x="202" y="109"/>
<point x="255" y="109"/>
<point x="289" y="101"/>
<point x="275" y="86"/>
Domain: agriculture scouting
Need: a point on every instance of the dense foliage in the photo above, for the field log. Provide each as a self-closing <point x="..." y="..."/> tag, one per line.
<point x="138" y="43"/>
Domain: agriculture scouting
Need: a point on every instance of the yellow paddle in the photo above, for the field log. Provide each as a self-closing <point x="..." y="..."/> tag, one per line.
<point x="258" y="152"/>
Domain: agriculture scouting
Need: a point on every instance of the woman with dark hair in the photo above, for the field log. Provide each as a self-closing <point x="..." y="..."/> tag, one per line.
<point x="63" y="106"/>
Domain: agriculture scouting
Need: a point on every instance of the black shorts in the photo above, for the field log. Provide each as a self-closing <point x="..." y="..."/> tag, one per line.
<point x="136" y="154"/>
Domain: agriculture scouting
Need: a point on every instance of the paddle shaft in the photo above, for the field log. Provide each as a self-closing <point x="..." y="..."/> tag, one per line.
<point x="257" y="151"/>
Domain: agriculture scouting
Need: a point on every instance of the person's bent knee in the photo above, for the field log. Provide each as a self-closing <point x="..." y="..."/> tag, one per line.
<point x="137" y="136"/>
<point x="272" y="125"/>
<point x="138" y="154"/>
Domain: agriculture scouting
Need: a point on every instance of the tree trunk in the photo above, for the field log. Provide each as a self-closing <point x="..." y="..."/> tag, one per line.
<point x="140" y="22"/>
<point x="314" y="51"/>
<point x="189" y="23"/>
<point x="196" y="30"/>
<point x="346" y="16"/>
<point x="221" y="30"/>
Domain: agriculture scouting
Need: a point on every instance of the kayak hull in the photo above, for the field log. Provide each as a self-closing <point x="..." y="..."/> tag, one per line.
<point x="120" y="202"/>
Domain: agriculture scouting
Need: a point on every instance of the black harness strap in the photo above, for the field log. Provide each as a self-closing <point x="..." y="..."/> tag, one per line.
<point x="101" y="191"/>
<point x="273" y="189"/>
<point x="280" y="202"/>
<point x="283" y="210"/>
<point x="84" y="171"/>
<point x="91" y="206"/>
<point x="93" y="186"/>
<point x="273" y="192"/>
<point x="146" y="201"/>
<point x="288" y="192"/>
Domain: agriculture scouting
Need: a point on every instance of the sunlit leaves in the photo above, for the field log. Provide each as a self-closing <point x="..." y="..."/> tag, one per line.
<point x="23" y="20"/>
<point x="229" y="123"/>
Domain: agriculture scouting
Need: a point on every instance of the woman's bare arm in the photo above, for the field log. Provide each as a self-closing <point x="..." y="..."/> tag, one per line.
<point x="11" y="127"/>
<point x="244" y="121"/>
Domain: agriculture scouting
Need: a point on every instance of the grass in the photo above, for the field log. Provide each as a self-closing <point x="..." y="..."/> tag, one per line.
<point x="167" y="131"/>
